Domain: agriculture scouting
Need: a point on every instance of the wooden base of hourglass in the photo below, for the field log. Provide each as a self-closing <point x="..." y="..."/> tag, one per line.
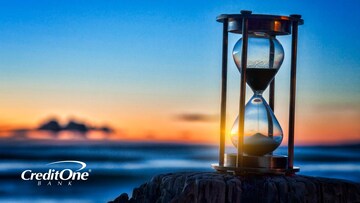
<point x="267" y="164"/>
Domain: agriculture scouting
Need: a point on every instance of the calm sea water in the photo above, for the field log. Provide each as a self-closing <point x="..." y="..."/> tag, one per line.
<point x="118" y="167"/>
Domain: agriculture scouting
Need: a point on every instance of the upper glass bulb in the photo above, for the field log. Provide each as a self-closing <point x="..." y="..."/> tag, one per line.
<point x="264" y="58"/>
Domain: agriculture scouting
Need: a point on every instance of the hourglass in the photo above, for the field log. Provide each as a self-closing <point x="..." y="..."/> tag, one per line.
<point x="262" y="131"/>
<point x="258" y="55"/>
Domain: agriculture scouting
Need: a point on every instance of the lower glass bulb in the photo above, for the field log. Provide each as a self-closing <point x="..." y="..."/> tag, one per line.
<point x="262" y="131"/>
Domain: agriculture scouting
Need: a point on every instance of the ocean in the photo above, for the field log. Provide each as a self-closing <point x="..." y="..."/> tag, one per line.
<point x="115" y="167"/>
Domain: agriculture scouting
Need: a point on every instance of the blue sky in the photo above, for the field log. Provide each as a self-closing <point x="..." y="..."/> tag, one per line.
<point x="146" y="59"/>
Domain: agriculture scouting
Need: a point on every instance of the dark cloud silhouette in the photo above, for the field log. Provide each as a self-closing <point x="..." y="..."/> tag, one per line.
<point x="196" y="117"/>
<point x="105" y="129"/>
<point x="73" y="125"/>
<point x="77" y="126"/>
<point x="53" y="126"/>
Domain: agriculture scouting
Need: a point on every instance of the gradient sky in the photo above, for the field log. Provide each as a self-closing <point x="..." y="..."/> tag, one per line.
<point x="141" y="65"/>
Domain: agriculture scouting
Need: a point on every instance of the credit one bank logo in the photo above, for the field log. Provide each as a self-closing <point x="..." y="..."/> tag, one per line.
<point x="64" y="176"/>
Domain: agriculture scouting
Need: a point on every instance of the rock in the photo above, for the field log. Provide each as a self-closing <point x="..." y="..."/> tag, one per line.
<point x="123" y="198"/>
<point x="218" y="188"/>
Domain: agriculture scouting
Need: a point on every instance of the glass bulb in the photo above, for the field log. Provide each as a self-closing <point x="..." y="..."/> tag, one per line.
<point x="264" y="58"/>
<point x="262" y="131"/>
<point x="264" y="51"/>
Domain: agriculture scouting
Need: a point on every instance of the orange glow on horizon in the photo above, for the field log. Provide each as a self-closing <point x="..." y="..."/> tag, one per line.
<point x="144" y="123"/>
<point x="317" y="132"/>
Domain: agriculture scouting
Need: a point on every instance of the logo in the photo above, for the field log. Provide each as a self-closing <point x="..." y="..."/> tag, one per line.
<point x="65" y="176"/>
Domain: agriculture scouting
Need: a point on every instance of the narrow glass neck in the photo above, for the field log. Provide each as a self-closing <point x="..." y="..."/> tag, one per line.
<point x="257" y="97"/>
<point x="258" y="93"/>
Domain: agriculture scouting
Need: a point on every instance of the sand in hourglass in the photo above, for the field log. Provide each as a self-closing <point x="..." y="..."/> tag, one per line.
<point x="259" y="78"/>
<point x="259" y="144"/>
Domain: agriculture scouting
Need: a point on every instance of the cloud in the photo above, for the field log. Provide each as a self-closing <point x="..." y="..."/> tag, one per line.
<point x="51" y="128"/>
<point x="196" y="117"/>
<point x="80" y="127"/>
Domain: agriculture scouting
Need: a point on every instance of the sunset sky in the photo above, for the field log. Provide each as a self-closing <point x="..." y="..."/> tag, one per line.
<point x="151" y="69"/>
